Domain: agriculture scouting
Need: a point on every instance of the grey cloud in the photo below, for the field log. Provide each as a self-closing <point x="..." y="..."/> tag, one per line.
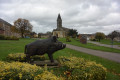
<point x="84" y="15"/>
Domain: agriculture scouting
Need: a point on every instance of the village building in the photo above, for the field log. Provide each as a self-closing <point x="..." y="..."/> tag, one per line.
<point x="5" y="29"/>
<point x="88" y="36"/>
<point x="60" y="31"/>
<point x="45" y="35"/>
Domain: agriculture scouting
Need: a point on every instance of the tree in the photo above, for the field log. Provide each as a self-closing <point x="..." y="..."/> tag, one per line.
<point x="99" y="36"/>
<point x="39" y="35"/>
<point x="113" y="35"/>
<point x="14" y="29"/>
<point x="23" y="26"/>
<point x="73" y="33"/>
<point x="49" y="34"/>
<point x="32" y="34"/>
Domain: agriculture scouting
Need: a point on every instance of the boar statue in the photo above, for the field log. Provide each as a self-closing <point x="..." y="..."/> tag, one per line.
<point x="40" y="47"/>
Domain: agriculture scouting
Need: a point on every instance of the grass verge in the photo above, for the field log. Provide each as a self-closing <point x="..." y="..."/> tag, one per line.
<point x="107" y="41"/>
<point x="89" y="45"/>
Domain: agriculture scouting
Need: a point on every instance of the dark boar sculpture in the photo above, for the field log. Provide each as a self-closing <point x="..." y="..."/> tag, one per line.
<point x="40" y="47"/>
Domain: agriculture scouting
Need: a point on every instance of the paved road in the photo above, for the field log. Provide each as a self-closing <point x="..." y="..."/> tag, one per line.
<point x="97" y="43"/>
<point x="107" y="55"/>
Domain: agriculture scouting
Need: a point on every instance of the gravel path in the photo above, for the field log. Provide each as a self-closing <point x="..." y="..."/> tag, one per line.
<point x="107" y="55"/>
<point x="97" y="43"/>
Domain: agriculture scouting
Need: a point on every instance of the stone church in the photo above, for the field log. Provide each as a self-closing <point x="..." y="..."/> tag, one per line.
<point x="60" y="31"/>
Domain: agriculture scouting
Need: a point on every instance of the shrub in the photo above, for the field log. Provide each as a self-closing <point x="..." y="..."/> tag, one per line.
<point x="21" y="57"/>
<point x="24" y="71"/>
<point x="16" y="57"/>
<point x="14" y="38"/>
<point x="11" y="38"/>
<point x="18" y="71"/>
<point x="38" y="57"/>
<point x="2" y="37"/>
<point x="47" y="76"/>
<point x="8" y="38"/>
<point x="68" y="39"/>
<point x="93" y="40"/>
<point x="81" y="69"/>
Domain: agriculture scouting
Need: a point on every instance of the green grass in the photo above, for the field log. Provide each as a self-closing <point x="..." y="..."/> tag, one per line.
<point x="89" y="45"/>
<point x="12" y="46"/>
<point x="107" y="41"/>
<point x="111" y="76"/>
<point x="9" y="46"/>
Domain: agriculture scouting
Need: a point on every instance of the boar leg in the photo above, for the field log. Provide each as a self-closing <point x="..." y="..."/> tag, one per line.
<point x="51" y="57"/>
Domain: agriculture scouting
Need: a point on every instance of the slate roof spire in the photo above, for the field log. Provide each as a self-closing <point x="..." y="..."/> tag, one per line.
<point x="59" y="22"/>
<point x="59" y="17"/>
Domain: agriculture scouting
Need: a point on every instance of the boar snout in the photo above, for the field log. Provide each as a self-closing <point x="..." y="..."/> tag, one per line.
<point x="64" y="45"/>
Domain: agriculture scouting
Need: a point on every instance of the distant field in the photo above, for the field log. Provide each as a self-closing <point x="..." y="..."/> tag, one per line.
<point x="9" y="46"/>
<point x="89" y="45"/>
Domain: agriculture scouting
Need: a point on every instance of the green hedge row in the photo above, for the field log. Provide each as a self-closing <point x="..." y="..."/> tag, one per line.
<point x="8" y="38"/>
<point x="22" y="57"/>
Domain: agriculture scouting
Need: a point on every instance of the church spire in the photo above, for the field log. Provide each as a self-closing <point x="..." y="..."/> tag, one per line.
<point x="59" y="22"/>
<point x="59" y="17"/>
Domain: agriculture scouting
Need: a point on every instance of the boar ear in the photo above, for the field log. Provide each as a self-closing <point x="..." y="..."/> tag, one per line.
<point x="54" y="38"/>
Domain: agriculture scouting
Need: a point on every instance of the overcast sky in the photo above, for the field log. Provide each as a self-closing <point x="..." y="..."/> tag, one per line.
<point x="87" y="16"/>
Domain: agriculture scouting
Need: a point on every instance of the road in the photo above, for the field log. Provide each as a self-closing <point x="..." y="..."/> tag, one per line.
<point x="107" y="55"/>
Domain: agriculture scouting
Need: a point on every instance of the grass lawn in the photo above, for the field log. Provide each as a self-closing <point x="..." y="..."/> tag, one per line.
<point x="12" y="46"/>
<point x="106" y="41"/>
<point x="9" y="46"/>
<point x="89" y="45"/>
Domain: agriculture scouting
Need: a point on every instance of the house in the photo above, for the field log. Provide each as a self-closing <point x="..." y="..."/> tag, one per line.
<point x="5" y="29"/>
<point x="44" y="35"/>
<point x="89" y="36"/>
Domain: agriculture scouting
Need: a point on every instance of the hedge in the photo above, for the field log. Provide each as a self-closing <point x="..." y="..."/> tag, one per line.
<point x="81" y="69"/>
<point x="22" y="57"/>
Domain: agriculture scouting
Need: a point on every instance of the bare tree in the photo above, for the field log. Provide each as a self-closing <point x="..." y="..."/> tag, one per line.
<point x="23" y="26"/>
<point x="113" y="35"/>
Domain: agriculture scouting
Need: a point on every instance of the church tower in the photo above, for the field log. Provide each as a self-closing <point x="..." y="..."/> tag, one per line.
<point x="59" y="22"/>
<point x="60" y="31"/>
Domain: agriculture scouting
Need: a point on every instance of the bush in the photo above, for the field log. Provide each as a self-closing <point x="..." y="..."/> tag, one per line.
<point x="81" y="69"/>
<point x="21" y="57"/>
<point x="18" y="71"/>
<point x="16" y="57"/>
<point x="8" y="38"/>
<point x="24" y="71"/>
<point x="47" y="76"/>
<point x="12" y="38"/>
<point x="2" y="37"/>
<point x="93" y="40"/>
<point x="38" y="57"/>
<point x="68" y="39"/>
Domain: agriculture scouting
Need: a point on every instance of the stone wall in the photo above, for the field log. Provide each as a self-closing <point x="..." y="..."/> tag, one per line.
<point x="60" y="34"/>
